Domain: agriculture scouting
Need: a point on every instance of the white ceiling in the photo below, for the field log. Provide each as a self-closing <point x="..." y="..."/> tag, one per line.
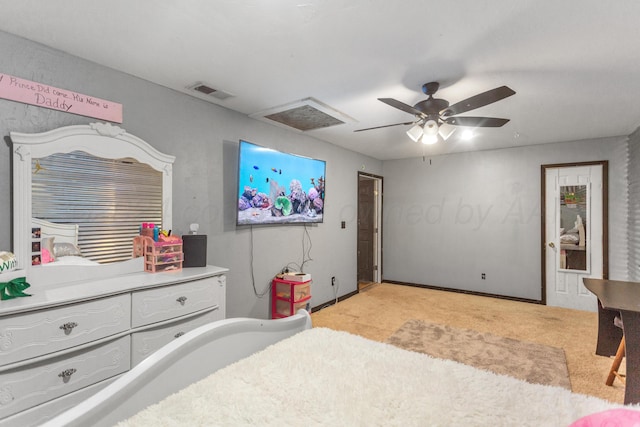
<point x="574" y="64"/>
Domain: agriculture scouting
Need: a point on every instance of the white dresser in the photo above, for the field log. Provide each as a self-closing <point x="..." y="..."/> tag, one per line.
<point x="68" y="341"/>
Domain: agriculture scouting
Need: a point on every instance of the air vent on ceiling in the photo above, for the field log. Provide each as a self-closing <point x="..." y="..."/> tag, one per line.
<point x="207" y="90"/>
<point x="304" y="115"/>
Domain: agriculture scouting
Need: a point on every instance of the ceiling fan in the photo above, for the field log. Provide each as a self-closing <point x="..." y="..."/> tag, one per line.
<point x="432" y="115"/>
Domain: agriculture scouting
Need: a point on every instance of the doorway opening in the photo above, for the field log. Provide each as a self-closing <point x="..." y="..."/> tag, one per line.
<point x="369" y="230"/>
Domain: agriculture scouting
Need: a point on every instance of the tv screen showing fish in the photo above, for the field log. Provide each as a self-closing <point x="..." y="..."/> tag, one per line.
<point x="278" y="188"/>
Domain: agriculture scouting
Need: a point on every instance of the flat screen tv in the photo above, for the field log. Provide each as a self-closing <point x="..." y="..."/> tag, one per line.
<point x="278" y="188"/>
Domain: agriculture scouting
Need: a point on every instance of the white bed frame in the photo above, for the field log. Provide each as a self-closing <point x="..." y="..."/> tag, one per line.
<point x="62" y="233"/>
<point x="188" y="359"/>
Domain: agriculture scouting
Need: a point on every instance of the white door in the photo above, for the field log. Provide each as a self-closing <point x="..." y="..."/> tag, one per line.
<point x="573" y="231"/>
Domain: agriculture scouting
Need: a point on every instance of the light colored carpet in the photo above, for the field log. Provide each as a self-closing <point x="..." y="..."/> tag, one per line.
<point x="377" y="313"/>
<point x="322" y="377"/>
<point x="531" y="362"/>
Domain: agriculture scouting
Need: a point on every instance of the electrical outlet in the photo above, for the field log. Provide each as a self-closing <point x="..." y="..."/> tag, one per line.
<point x="484" y="276"/>
<point x="333" y="280"/>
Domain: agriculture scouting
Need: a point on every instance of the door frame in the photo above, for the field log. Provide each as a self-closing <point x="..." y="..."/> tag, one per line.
<point x="605" y="218"/>
<point x="377" y="236"/>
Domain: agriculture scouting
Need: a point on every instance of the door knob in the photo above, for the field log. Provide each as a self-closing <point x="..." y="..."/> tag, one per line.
<point x="552" y="245"/>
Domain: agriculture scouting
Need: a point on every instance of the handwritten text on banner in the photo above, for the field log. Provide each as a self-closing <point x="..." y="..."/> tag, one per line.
<point x="28" y="92"/>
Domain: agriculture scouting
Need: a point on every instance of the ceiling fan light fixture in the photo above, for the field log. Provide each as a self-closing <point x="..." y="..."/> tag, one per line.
<point x="431" y="127"/>
<point x="446" y="131"/>
<point x="415" y="132"/>
<point x="429" y="139"/>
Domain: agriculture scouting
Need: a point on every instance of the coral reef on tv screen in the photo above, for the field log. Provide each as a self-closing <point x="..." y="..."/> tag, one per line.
<point x="278" y="188"/>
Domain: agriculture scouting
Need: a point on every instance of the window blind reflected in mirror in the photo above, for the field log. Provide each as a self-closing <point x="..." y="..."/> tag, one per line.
<point x="108" y="199"/>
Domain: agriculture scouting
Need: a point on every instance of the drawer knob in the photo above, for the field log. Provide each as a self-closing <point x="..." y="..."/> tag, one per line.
<point x="178" y="335"/>
<point x="68" y="327"/>
<point x="66" y="374"/>
<point x="182" y="300"/>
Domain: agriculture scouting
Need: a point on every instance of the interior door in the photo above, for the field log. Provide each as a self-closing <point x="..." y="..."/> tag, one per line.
<point x="369" y="243"/>
<point x="574" y="233"/>
<point x="366" y="209"/>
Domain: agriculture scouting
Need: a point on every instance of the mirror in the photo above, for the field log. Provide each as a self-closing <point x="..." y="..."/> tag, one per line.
<point x="573" y="232"/>
<point x="105" y="199"/>
<point x="106" y="154"/>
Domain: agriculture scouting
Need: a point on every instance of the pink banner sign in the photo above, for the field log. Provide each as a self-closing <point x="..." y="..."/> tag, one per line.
<point x="28" y="92"/>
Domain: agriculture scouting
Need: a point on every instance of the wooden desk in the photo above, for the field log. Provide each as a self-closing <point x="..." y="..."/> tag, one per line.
<point x="624" y="297"/>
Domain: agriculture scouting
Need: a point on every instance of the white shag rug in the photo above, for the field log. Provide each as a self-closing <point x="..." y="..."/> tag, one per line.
<point x="322" y="377"/>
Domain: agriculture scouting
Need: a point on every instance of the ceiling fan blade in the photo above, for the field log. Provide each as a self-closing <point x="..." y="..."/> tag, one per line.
<point x="402" y="106"/>
<point x="478" y="101"/>
<point x="385" y="126"/>
<point x="485" y="122"/>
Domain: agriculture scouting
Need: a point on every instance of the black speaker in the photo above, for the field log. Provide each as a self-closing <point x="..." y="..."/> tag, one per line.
<point x="194" y="247"/>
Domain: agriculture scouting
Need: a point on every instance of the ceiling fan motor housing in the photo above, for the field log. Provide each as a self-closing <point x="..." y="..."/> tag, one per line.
<point x="431" y="106"/>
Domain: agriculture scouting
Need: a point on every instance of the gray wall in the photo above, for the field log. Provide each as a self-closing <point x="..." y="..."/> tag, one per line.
<point x="634" y="206"/>
<point x="204" y="139"/>
<point x="450" y="218"/>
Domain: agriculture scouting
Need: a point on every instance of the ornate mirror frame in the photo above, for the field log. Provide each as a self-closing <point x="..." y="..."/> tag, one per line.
<point x="98" y="139"/>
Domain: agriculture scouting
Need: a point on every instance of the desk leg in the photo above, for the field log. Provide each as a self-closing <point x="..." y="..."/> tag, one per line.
<point x="631" y="321"/>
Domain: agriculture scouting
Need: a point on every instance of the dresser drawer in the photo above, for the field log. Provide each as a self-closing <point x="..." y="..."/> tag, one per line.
<point x="168" y="302"/>
<point x="40" y="414"/>
<point x="148" y="341"/>
<point x="33" y="334"/>
<point x="31" y="385"/>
